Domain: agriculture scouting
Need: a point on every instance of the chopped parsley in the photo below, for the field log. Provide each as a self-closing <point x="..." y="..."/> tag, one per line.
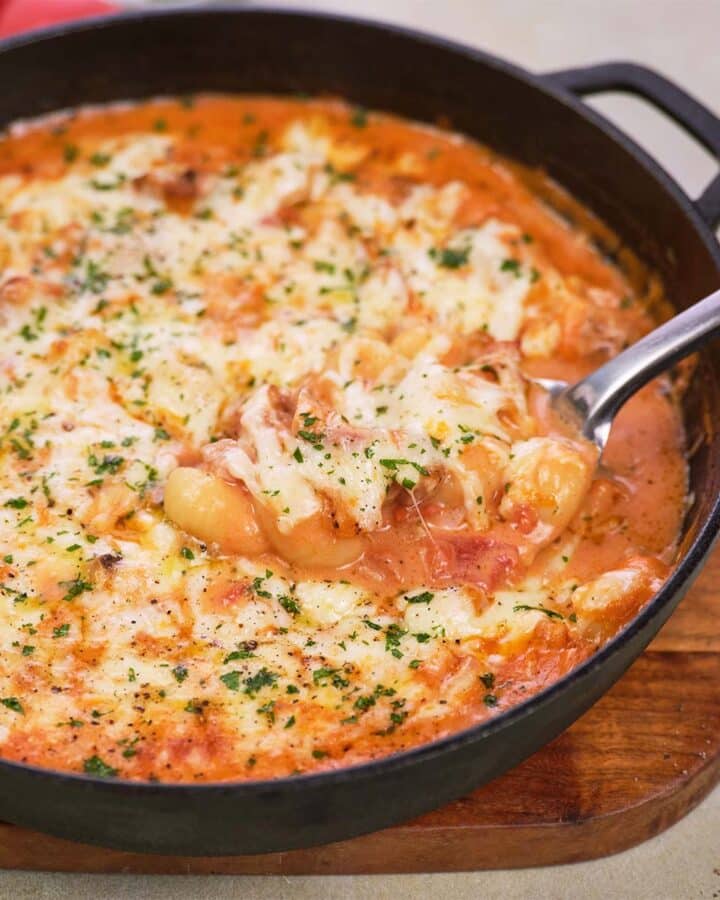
<point x="244" y="653"/>
<point x="359" y="117"/>
<point x="550" y="613"/>
<point x="16" y="503"/>
<point x="394" y="464"/>
<point x="231" y="680"/>
<point x="95" y="278"/>
<point x="257" y="585"/>
<point x="393" y="634"/>
<point x="289" y="605"/>
<point x="161" y="286"/>
<point x="511" y="265"/>
<point x="260" y="147"/>
<point x="75" y="587"/>
<point x="449" y="257"/>
<point x="94" y="765"/>
<point x="336" y="176"/>
<point x="321" y="677"/>
<point x="268" y="710"/>
<point x="424" y="597"/>
<point x="312" y="437"/>
<point x="255" y="683"/>
<point x="98" y="185"/>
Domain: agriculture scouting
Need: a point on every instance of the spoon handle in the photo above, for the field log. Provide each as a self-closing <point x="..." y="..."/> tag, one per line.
<point x="601" y="394"/>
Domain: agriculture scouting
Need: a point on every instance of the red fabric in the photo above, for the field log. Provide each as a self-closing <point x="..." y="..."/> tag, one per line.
<point x="21" y="15"/>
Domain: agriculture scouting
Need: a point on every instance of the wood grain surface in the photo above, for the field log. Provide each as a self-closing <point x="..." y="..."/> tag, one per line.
<point x="637" y="762"/>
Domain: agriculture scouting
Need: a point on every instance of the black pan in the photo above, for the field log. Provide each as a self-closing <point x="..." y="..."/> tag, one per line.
<point x="539" y="121"/>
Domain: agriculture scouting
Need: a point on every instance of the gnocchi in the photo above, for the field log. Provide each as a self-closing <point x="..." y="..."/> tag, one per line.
<point x="213" y="511"/>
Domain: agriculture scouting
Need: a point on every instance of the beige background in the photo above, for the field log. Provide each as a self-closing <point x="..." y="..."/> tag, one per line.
<point x="681" y="39"/>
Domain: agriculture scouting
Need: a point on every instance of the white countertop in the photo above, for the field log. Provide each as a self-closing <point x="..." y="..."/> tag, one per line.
<point x="680" y="38"/>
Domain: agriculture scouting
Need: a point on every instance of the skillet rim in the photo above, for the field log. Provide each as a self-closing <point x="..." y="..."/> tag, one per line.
<point x="677" y="583"/>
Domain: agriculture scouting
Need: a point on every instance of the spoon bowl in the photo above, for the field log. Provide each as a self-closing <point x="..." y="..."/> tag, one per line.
<point x="590" y="405"/>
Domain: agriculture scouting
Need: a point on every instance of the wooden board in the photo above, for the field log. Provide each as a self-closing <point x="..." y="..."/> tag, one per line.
<point x="642" y="758"/>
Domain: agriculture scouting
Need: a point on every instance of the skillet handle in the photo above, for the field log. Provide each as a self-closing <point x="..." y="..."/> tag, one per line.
<point x="663" y="94"/>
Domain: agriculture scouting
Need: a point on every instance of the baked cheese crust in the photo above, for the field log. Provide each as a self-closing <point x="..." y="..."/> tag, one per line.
<point x="276" y="494"/>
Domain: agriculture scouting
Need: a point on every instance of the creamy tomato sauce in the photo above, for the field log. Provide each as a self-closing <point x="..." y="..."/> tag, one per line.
<point x="276" y="492"/>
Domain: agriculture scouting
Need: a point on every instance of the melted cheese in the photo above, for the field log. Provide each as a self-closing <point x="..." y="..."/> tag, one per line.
<point x="299" y="330"/>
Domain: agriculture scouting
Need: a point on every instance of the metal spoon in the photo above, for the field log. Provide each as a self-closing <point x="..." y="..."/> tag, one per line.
<point x="591" y="404"/>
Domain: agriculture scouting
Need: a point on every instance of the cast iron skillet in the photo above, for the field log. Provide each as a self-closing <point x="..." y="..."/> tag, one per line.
<point x="535" y="119"/>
